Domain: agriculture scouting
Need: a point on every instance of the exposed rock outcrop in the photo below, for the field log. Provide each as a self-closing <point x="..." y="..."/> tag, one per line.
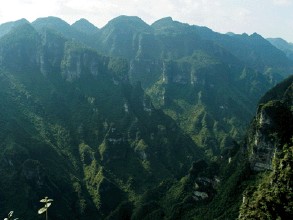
<point x="272" y="128"/>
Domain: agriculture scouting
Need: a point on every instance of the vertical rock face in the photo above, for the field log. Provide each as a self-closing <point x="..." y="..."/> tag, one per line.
<point x="98" y="143"/>
<point x="52" y="52"/>
<point x="78" y="61"/>
<point x="146" y="71"/>
<point x="272" y="128"/>
<point x="175" y="73"/>
<point x="264" y="146"/>
<point x="270" y="144"/>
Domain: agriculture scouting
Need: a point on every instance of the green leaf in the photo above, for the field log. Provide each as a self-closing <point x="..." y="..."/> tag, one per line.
<point x="42" y="210"/>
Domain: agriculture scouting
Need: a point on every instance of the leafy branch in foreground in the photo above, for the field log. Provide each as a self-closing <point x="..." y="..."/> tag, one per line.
<point x="48" y="203"/>
<point x="10" y="216"/>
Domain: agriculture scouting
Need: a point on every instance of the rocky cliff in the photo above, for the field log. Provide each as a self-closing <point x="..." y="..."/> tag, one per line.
<point x="272" y="127"/>
<point x="271" y="151"/>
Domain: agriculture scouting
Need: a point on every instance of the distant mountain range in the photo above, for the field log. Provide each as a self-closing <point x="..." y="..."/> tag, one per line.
<point x="138" y="121"/>
<point x="283" y="45"/>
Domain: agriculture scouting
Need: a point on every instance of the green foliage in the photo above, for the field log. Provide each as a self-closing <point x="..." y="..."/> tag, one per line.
<point x="10" y="214"/>
<point x="272" y="198"/>
<point x="77" y="138"/>
<point x="201" y="97"/>
<point x="77" y="125"/>
<point x="15" y="54"/>
<point x="282" y="91"/>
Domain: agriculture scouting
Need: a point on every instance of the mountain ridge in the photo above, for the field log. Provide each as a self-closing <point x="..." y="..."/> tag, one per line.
<point x="283" y="45"/>
<point x="131" y="121"/>
<point x="108" y="144"/>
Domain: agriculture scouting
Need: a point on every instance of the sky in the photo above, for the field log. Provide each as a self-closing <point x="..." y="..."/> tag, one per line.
<point x="270" y="18"/>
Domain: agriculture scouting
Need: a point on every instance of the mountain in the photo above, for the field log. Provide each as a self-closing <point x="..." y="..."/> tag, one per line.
<point x="121" y="35"/>
<point x="137" y="121"/>
<point x="270" y="149"/>
<point x="255" y="176"/>
<point x="85" y="26"/>
<point x="7" y="27"/>
<point x="272" y="126"/>
<point x="74" y="32"/>
<point x="283" y="45"/>
<point x="177" y="63"/>
<point x="254" y="51"/>
<point x="167" y="44"/>
<point x="79" y="129"/>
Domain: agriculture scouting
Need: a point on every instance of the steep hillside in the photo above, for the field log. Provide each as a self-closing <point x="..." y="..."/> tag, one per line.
<point x="182" y="67"/>
<point x="283" y="45"/>
<point x="254" y="180"/>
<point x="138" y="121"/>
<point x="254" y="51"/>
<point x="271" y="150"/>
<point x="74" y="32"/>
<point x="121" y="36"/>
<point x="71" y="123"/>
<point x="7" y="27"/>
<point x="85" y="26"/>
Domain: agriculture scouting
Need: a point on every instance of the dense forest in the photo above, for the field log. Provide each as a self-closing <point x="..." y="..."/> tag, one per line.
<point x="137" y="121"/>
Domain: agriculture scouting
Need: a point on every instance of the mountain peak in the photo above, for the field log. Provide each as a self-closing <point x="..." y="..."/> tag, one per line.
<point x="23" y="28"/>
<point x="166" y="20"/>
<point x="125" y="18"/>
<point x="50" y="22"/>
<point x="256" y="36"/>
<point x="85" y="26"/>
<point x="231" y="34"/>
<point x="20" y="21"/>
<point x="82" y="21"/>
<point x="124" y="21"/>
<point x="7" y="27"/>
<point x="50" y="19"/>
<point x="168" y="23"/>
<point x="134" y="112"/>
<point x="282" y="45"/>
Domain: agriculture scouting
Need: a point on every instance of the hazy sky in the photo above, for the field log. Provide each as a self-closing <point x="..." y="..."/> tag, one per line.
<point x="270" y="18"/>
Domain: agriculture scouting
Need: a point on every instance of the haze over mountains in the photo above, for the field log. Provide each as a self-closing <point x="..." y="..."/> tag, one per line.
<point x="283" y="45"/>
<point x="138" y="121"/>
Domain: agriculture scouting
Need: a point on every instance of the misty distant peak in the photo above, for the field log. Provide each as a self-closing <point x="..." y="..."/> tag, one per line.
<point x="168" y="23"/>
<point x="85" y="26"/>
<point x="167" y="20"/>
<point x="230" y="34"/>
<point x="125" y="18"/>
<point x="123" y="21"/>
<point x="50" y="19"/>
<point x="50" y="22"/>
<point x="7" y="27"/>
